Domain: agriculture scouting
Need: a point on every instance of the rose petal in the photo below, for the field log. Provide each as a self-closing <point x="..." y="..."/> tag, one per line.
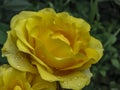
<point x="12" y="73"/>
<point x="80" y="61"/>
<point x="24" y="49"/>
<point x="47" y="38"/>
<point x="56" y="44"/>
<point x="2" y="70"/>
<point x="39" y="84"/>
<point x="18" y="24"/>
<point x="20" y="62"/>
<point x="9" y="42"/>
<point x="76" y="80"/>
<point x="45" y="75"/>
<point x="81" y="24"/>
<point x="92" y="54"/>
<point x="97" y="45"/>
<point x="21" y="32"/>
<point x="50" y="59"/>
<point x="13" y="79"/>
<point x="15" y="58"/>
<point x="21" y="16"/>
<point x="62" y="24"/>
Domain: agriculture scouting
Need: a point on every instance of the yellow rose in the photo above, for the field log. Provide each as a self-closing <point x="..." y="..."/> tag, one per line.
<point x="12" y="79"/>
<point x="59" y="45"/>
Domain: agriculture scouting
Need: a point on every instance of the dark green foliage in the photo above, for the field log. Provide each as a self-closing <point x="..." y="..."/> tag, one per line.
<point x="104" y="17"/>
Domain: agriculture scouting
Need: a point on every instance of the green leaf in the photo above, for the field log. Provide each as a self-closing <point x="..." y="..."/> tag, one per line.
<point x="16" y="5"/>
<point x="94" y="10"/>
<point x="103" y="72"/>
<point x="115" y="63"/>
<point x="3" y="60"/>
<point x="117" y="2"/>
<point x="0" y="13"/>
<point x="4" y="27"/>
<point x="3" y="34"/>
<point x="2" y="37"/>
<point x="111" y="39"/>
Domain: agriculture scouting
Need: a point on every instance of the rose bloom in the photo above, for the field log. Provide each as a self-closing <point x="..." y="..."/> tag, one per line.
<point x="58" y="45"/>
<point x="12" y="79"/>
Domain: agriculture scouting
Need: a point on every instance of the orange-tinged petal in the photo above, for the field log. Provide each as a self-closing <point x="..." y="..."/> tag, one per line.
<point x="50" y="59"/>
<point x="79" y="61"/>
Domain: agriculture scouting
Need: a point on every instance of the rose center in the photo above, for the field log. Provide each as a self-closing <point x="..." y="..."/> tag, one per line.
<point x="17" y="88"/>
<point x="61" y="37"/>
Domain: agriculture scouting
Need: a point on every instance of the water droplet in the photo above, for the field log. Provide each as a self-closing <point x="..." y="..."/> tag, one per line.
<point x="42" y="56"/>
<point x="79" y="84"/>
<point x="75" y="78"/>
<point x="17" y="87"/>
<point x="19" y="56"/>
<point x="18" y="66"/>
<point x="54" y="22"/>
<point x="66" y="83"/>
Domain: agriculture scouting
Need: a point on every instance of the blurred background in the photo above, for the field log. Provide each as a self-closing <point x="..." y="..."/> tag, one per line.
<point x="104" y="18"/>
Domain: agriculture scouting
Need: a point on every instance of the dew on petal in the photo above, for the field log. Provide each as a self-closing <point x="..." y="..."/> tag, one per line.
<point x="18" y="66"/>
<point x="54" y="22"/>
<point x="17" y="88"/>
